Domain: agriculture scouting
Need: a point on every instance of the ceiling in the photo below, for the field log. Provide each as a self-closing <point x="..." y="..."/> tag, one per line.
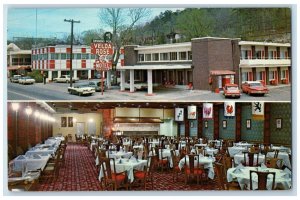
<point x="87" y="107"/>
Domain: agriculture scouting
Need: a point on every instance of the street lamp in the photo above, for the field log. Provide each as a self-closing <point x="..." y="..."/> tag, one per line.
<point x="15" y="107"/>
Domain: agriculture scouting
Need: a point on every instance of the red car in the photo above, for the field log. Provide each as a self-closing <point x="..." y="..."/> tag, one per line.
<point x="231" y="90"/>
<point x="254" y="87"/>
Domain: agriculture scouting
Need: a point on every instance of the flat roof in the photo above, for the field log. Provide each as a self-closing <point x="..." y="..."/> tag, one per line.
<point x="183" y="44"/>
<point x="264" y="43"/>
<point x="155" y="67"/>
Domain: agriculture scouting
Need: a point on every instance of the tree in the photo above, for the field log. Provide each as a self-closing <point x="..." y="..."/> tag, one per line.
<point x="89" y="35"/>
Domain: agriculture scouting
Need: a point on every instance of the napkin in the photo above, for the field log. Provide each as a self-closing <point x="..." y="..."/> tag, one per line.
<point x="21" y="157"/>
<point x="238" y="169"/>
<point x="263" y="166"/>
<point x="36" y="156"/>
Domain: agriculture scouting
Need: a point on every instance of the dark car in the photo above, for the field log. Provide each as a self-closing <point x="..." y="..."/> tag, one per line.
<point x="254" y="87"/>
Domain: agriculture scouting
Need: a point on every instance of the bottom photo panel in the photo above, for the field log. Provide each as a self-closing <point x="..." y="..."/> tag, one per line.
<point x="149" y="146"/>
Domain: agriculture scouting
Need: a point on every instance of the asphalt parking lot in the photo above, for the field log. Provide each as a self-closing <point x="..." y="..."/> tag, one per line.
<point x="58" y="91"/>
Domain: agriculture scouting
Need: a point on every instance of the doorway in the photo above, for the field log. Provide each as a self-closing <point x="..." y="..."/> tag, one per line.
<point x="80" y="128"/>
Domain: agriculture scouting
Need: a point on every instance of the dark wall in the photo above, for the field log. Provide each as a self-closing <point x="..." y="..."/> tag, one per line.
<point x="130" y="55"/>
<point x="213" y="54"/>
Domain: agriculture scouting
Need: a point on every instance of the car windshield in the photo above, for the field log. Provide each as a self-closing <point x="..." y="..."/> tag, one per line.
<point x="232" y="88"/>
<point x="255" y="84"/>
<point x="81" y="86"/>
<point x="26" y="77"/>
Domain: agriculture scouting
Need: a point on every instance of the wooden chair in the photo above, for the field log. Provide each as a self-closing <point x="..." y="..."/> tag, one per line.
<point x="227" y="163"/>
<point x="111" y="179"/>
<point x="161" y="162"/>
<point x="222" y="180"/>
<point x="175" y="160"/>
<point x="251" y="157"/>
<point x="262" y="179"/>
<point x="274" y="163"/>
<point x="20" y="185"/>
<point x="276" y="152"/>
<point x="190" y="170"/>
<point x="146" y="175"/>
<point x="52" y="168"/>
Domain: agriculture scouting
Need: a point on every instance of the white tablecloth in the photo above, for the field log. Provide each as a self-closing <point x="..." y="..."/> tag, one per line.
<point x="41" y="151"/>
<point x="205" y="161"/>
<point x="243" y="178"/>
<point x="116" y="155"/>
<point x="166" y="153"/>
<point x="238" y="158"/>
<point x="30" y="163"/>
<point x="126" y="165"/>
<point x="211" y="151"/>
<point x="236" y="150"/>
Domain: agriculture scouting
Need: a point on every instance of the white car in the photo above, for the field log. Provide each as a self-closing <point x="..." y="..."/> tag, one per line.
<point x="15" y="78"/>
<point x="81" y="89"/>
<point x="65" y="79"/>
<point x="26" y="80"/>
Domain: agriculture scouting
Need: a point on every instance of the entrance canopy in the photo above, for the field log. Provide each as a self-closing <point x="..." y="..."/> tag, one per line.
<point x="18" y="67"/>
<point x="221" y="72"/>
<point x="156" y="67"/>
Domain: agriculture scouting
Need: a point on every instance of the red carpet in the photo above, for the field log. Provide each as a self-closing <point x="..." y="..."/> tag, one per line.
<point x="80" y="174"/>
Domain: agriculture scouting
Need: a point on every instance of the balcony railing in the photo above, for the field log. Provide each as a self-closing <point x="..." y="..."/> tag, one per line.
<point x="281" y="62"/>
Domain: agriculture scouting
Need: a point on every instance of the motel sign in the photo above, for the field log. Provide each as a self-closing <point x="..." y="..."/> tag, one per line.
<point x="105" y="51"/>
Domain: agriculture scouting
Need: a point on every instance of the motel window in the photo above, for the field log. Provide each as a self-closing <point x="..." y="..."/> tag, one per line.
<point x="141" y="57"/>
<point x="243" y="53"/>
<point x="52" y="56"/>
<point x="63" y="56"/>
<point x="282" y="54"/>
<point x="270" y="54"/>
<point x="27" y="60"/>
<point x="283" y="74"/>
<point x="45" y="56"/>
<point x="182" y="55"/>
<point x="40" y="56"/>
<point x="173" y="56"/>
<point x="93" y="56"/>
<point x="190" y="55"/>
<point x="258" y="54"/>
<point x="271" y="75"/>
<point x="259" y="76"/>
<point x="147" y="57"/>
<point x="164" y="56"/>
<point x="57" y="56"/>
<point x="85" y="56"/>
<point x="15" y="60"/>
<point x="244" y="76"/>
<point x="78" y="56"/>
<point x="155" y="57"/>
<point x="68" y="56"/>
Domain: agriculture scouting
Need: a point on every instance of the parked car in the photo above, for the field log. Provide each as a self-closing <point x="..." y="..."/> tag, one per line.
<point x="254" y="87"/>
<point x="15" y="78"/>
<point x="65" y="79"/>
<point x="81" y="89"/>
<point x="231" y="90"/>
<point x="97" y="85"/>
<point x="26" y="80"/>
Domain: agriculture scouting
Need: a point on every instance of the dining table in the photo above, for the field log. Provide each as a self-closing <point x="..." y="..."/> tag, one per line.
<point x="43" y="150"/>
<point x="239" y="158"/>
<point x="236" y="150"/>
<point x="166" y="153"/>
<point x="283" y="178"/>
<point x="115" y="155"/>
<point x="125" y="164"/>
<point x="30" y="163"/>
<point x="282" y="155"/>
<point x="207" y="163"/>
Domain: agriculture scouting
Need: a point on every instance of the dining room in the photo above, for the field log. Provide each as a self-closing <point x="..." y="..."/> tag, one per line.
<point x="149" y="146"/>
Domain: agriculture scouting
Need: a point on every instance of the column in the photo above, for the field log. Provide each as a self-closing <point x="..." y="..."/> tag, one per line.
<point x="58" y="73"/>
<point x="122" y="84"/>
<point x="49" y="76"/>
<point x="108" y="79"/>
<point x="89" y="74"/>
<point x="75" y="74"/>
<point x="131" y="80"/>
<point x="150" y="85"/>
<point x="267" y="124"/>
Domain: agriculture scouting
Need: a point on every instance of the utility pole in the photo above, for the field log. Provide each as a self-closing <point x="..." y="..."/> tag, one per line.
<point x="71" y="53"/>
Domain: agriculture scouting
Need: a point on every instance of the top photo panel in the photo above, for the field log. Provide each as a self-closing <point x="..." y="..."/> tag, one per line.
<point x="149" y="54"/>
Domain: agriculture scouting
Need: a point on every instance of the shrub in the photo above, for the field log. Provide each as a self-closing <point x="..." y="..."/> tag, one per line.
<point x="36" y="75"/>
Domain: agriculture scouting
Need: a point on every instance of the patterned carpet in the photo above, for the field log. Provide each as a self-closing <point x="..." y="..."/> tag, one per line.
<point x="80" y="174"/>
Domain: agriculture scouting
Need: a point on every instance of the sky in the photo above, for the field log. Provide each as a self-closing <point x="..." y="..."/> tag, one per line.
<point x="21" y="22"/>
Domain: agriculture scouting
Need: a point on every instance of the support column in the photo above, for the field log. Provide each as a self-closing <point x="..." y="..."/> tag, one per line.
<point x="75" y="74"/>
<point x="89" y="74"/>
<point x="122" y="84"/>
<point x="58" y="73"/>
<point x="150" y="85"/>
<point x="200" y="123"/>
<point x="131" y="80"/>
<point x="238" y="125"/>
<point x="108" y="79"/>
<point x="216" y="122"/>
<point x="186" y="124"/>
<point x="267" y="124"/>
<point x="49" y="76"/>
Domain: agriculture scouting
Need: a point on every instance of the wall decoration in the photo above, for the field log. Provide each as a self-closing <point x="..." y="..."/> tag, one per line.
<point x="63" y="121"/>
<point x="229" y="109"/>
<point x="248" y="123"/>
<point x="258" y="110"/>
<point x="207" y="110"/>
<point x="192" y="112"/>
<point x="179" y="114"/>
<point x="224" y="124"/>
<point x="278" y="123"/>
<point x="206" y="124"/>
<point x="70" y="121"/>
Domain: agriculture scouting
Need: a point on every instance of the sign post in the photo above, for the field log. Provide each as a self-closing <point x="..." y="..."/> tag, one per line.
<point x="103" y="62"/>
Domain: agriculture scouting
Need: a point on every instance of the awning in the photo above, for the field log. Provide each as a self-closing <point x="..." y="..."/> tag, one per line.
<point x="221" y="72"/>
<point x="156" y="67"/>
<point x="18" y="67"/>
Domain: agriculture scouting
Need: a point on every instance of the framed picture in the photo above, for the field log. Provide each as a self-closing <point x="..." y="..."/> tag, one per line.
<point x="206" y="124"/>
<point x="179" y="114"/>
<point x="248" y="123"/>
<point x="192" y="112"/>
<point x="63" y="121"/>
<point x="278" y="123"/>
<point x="224" y="124"/>
<point x="70" y="121"/>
